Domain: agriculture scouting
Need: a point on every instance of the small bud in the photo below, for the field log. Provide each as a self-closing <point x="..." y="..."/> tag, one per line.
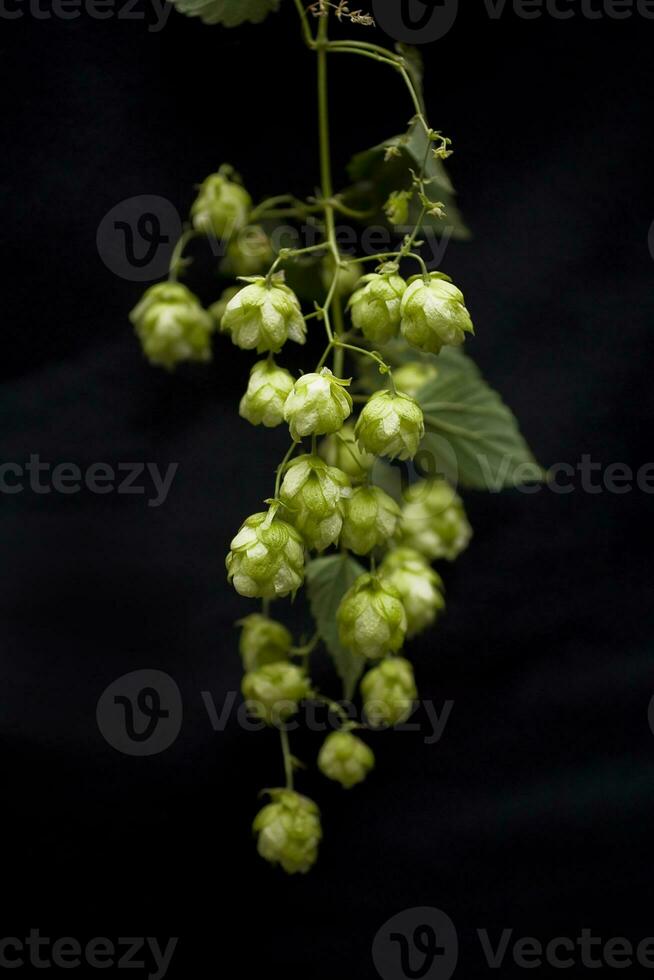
<point x="266" y="560"/>
<point x="268" y="388"/>
<point x="318" y="405"/>
<point x="263" y="641"/>
<point x="264" y="315"/>
<point x="434" y="520"/>
<point x="249" y="254"/>
<point x="434" y="314"/>
<point x="375" y="306"/>
<point x="289" y="831"/>
<point x="348" y="275"/>
<point x="389" y="692"/>
<point x="397" y="207"/>
<point x="391" y="424"/>
<point x="420" y="587"/>
<point x="413" y="376"/>
<point x="345" y="759"/>
<point x="274" y="691"/>
<point x="221" y="208"/>
<point x="371" y="618"/>
<point x="313" y="494"/>
<point x="371" y="519"/>
<point x="342" y="450"/>
<point x="172" y="325"/>
<point x="217" y="309"/>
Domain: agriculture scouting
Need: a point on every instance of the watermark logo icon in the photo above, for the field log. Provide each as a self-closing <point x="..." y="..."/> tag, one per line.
<point x="416" y="21"/>
<point x="141" y="713"/>
<point x="136" y="238"/>
<point x="416" y="944"/>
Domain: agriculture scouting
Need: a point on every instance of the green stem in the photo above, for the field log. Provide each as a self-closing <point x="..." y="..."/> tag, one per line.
<point x="177" y="260"/>
<point x="282" y="467"/>
<point x="288" y="758"/>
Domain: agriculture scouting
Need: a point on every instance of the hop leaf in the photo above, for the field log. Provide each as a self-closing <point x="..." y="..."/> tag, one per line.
<point x="371" y="618"/>
<point x="375" y="306"/>
<point x="268" y="389"/>
<point x="389" y="692"/>
<point x="289" y="831"/>
<point x="420" y="587"/>
<point x="391" y="424"/>
<point x="313" y="494"/>
<point x="266" y="560"/>
<point x="434" y="520"/>
<point x="345" y="759"/>
<point x="172" y="325"/>
<point x="434" y="314"/>
<point x="318" y="405"/>
<point x="371" y="519"/>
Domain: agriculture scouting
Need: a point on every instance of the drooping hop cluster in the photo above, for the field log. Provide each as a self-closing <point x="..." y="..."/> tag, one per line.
<point x="434" y="314"/>
<point x="318" y="405"/>
<point x="266" y="558"/>
<point x="391" y="424"/>
<point x="289" y="831"/>
<point x="345" y="759"/>
<point x="371" y="519"/>
<point x="434" y="521"/>
<point x="313" y="495"/>
<point x="263" y="641"/>
<point x="172" y="325"/>
<point x="389" y="692"/>
<point x="221" y="208"/>
<point x="267" y="391"/>
<point x="263" y="316"/>
<point x="420" y="587"/>
<point x="273" y="692"/>
<point x="371" y="618"/>
<point x="375" y="306"/>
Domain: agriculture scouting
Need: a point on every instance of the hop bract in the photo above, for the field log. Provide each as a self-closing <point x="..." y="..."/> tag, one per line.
<point x="434" y="314"/>
<point x="266" y="560"/>
<point x="342" y="450"/>
<point x="289" y="831"/>
<point x="313" y="494"/>
<point x="274" y="691"/>
<point x="268" y="388"/>
<point x="318" y="405"/>
<point x="345" y="759"/>
<point x="219" y="308"/>
<point x="391" y="424"/>
<point x="389" y="692"/>
<point x="413" y="376"/>
<point x="264" y="315"/>
<point x="221" y="208"/>
<point x="172" y="325"/>
<point x="434" y="520"/>
<point x="371" y="519"/>
<point x="420" y="587"/>
<point x="263" y="641"/>
<point x="375" y="306"/>
<point x="371" y="618"/>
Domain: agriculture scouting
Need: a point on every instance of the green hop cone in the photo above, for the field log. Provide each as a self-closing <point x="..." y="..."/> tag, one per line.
<point x="371" y="519"/>
<point x="318" y="405"/>
<point x="289" y="831"/>
<point x="420" y="587"/>
<point x="434" y="520"/>
<point x="263" y="641"/>
<point x="371" y="618"/>
<point x="313" y="494"/>
<point x="268" y="388"/>
<point x="397" y="207"/>
<point x="341" y="450"/>
<point x="391" y="424"/>
<point x="411" y="377"/>
<point x="434" y="314"/>
<point x="218" y="309"/>
<point x="345" y="759"/>
<point x="221" y="208"/>
<point x="274" y="691"/>
<point x="266" y="560"/>
<point x="264" y="315"/>
<point x="389" y="692"/>
<point x="348" y="276"/>
<point x="249" y="254"/>
<point x="172" y="325"/>
<point x="375" y="306"/>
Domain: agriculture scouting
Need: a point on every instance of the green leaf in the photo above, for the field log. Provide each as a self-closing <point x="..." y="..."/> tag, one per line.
<point x="472" y="437"/>
<point x="229" y="13"/>
<point x="375" y="178"/>
<point x="328" y="579"/>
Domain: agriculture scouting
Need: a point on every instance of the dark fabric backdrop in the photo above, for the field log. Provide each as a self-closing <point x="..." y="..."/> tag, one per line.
<point x="534" y="812"/>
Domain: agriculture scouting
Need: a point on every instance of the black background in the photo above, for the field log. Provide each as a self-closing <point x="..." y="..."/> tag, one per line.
<point x="534" y="812"/>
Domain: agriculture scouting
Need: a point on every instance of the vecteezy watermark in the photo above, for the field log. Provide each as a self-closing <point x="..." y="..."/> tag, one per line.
<point x="422" y="944"/>
<point x="67" y="479"/>
<point x="424" y="21"/>
<point x="141" y="714"/>
<point x="100" y="953"/>
<point x="136" y="238"/>
<point x="156" y="13"/>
